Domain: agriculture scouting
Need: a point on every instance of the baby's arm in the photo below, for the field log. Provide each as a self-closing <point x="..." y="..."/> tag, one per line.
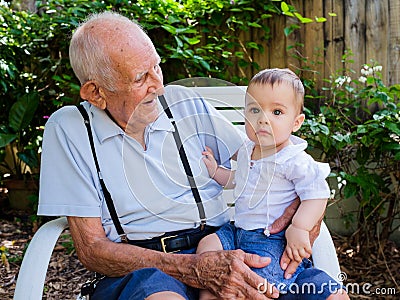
<point x="298" y="233"/>
<point x="221" y="175"/>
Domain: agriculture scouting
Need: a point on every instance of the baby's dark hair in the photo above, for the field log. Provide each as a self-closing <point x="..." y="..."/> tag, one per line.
<point x="277" y="76"/>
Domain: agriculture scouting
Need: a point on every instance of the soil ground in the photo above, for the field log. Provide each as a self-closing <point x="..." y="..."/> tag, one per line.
<point x="374" y="277"/>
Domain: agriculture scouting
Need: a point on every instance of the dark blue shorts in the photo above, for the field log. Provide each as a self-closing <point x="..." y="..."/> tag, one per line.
<point x="306" y="283"/>
<point x="141" y="284"/>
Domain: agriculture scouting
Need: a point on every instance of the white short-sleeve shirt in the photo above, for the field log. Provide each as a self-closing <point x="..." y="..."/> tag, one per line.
<point x="265" y="187"/>
<point x="149" y="187"/>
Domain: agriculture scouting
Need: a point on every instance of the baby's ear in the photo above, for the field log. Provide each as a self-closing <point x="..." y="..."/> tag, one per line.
<point x="91" y="92"/>
<point x="298" y="122"/>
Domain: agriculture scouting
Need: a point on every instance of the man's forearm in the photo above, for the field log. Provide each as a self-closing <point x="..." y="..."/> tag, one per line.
<point x="97" y="253"/>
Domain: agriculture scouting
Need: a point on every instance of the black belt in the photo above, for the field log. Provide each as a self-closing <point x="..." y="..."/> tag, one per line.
<point x="175" y="241"/>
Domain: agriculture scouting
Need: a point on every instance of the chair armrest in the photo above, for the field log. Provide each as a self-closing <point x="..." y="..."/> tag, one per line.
<point x="324" y="253"/>
<point x="32" y="274"/>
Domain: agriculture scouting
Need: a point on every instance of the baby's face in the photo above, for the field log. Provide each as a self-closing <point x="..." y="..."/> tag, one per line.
<point x="272" y="114"/>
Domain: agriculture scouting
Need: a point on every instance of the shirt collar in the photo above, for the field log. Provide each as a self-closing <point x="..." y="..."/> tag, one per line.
<point x="106" y="128"/>
<point x="297" y="145"/>
<point x="162" y="122"/>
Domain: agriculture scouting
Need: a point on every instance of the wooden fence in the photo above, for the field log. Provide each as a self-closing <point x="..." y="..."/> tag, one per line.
<point x="369" y="28"/>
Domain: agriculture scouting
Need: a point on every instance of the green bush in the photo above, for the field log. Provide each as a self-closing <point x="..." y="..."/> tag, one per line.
<point x="195" y="38"/>
<point x="358" y="130"/>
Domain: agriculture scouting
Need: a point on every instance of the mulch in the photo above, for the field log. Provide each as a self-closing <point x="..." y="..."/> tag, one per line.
<point x="374" y="277"/>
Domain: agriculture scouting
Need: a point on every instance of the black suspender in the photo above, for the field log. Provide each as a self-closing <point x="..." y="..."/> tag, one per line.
<point x="185" y="162"/>
<point x="182" y="154"/>
<point x="107" y="196"/>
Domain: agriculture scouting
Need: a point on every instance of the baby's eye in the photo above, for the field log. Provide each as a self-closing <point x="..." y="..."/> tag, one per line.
<point x="254" y="110"/>
<point x="277" y="112"/>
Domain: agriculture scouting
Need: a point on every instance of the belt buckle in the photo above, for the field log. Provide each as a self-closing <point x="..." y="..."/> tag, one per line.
<point x="163" y="243"/>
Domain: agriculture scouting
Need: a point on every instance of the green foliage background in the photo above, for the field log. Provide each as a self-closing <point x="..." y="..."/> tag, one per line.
<point x="355" y="124"/>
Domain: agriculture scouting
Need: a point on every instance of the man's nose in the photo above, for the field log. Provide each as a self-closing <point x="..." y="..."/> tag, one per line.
<point x="155" y="82"/>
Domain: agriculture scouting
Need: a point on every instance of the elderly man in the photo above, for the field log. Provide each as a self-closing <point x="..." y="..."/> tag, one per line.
<point x="139" y="171"/>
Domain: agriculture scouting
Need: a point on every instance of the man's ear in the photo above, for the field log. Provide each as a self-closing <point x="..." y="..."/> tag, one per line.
<point x="91" y="92"/>
<point x="298" y="122"/>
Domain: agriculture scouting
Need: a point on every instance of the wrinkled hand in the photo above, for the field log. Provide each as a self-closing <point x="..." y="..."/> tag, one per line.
<point x="210" y="161"/>
<point x="286" y="218"/>
<point x="227" y="275"/>
<point x="314" y="233"/>
<point x="298" y="243"/>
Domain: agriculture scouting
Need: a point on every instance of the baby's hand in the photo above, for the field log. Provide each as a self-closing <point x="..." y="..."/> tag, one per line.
<point x="210" y="161"/>
<point x="298" y="243"/>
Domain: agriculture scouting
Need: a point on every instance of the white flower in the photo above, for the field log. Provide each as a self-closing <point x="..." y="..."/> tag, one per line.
<point x="341" y="182"/>
<point x="395" y="137"/>
<point x="362" y="79"/>
<point x="342" y="79"/>
<point x="363" y="72"/>
<point x="377" y="68"/>
<point x="339" y="81"/>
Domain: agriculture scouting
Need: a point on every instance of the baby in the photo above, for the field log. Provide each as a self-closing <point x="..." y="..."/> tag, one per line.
<point x="272" y="171"/>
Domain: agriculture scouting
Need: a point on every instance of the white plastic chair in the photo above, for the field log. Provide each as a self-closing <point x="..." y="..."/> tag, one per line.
<point x="32" y="274"/>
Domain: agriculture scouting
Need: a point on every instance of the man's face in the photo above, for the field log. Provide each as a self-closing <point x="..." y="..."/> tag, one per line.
<point x="139" y="81"/>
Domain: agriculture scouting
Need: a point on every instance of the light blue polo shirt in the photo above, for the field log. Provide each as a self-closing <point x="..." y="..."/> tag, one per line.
<point x="149" y="187"/>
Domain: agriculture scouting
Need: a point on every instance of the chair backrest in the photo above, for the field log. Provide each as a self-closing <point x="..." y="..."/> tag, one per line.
<point x="229" y="100"/>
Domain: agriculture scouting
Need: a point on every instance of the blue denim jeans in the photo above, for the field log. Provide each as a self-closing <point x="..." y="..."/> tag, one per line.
<point x="306" y="283"/>
<point x="140" y="284"/>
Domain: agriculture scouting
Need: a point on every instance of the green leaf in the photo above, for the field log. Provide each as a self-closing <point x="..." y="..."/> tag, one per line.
<point x="350" y="190"/>
<point x="305" y="20"/>
<point x="193" y="41"/>
<point x="239" y="54"/>
<point x="252" y="45"/>
<point x="393" y="127"/>
<point x="320" y="19"/>
<point x="284" y="7"/>
<point x="288" y="13"/>
<point x="332" y="14"/>
<point x="205" y="64"/>
<point x="253" y="24"/>
<point x="391" y="146"/>
<point x="169" y="28"/>
<point x="397" y="156"/>
<point x="22" y="111"/>
<point x="185" y="30"/>
<point x="30" y="157"/>
<point x="6" y="138"/>
<point x="288" y="30"/>
<point x="179" y="42"/>
<point x="324" y="129"/>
